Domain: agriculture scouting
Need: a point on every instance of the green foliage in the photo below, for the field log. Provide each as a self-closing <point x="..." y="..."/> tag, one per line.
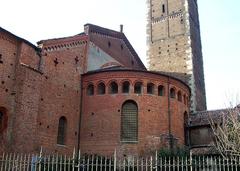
<point x="177" y="152"/>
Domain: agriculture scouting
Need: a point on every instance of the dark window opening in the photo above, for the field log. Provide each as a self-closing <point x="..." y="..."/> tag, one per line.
<point x="1" y="121"/>
<point x="129" y="122"/>
<point x="126" y="87"/>
<point x="184" y="99"/>
<point x="163" y="8"/>
<point x="1" y="61"/>
<point x="62" y="125"/>
<point x="172" y="93"/>
<point x="160" y="90"/>
<point x="179" y="96"/>
<point x="150" y="88"/>
<point x="109" y="44"/>
<point x="138" y="88"/>
<point x="101" y="88"/>
<point x="121" y="47"/>
<point x="186" y="133"/>
<point x="132" y="62"/>
<point x="90" y="90"/>
<point x="113" y="89"/>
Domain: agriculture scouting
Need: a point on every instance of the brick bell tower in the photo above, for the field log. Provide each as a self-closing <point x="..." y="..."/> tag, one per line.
<point x="174" y="44"/>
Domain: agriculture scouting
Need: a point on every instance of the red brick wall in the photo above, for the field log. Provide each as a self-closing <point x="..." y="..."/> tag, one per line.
<point x="18" y="92"/>
<point x="60" y="92"/>
<point x="8" y="53"/>
<point x="100" y="125"/>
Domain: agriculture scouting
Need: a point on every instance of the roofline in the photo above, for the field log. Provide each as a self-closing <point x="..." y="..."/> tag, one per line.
<point x="21" y="39"/>
<point x="62" y="38"/>
<point x="209" y="111"/>
<point x="119" y="35"/>
<point x="133" y="70"/>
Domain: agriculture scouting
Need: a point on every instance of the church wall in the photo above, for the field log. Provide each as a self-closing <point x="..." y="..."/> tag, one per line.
<point x="8" y="58"/>
<point x="100" y="124"/>
<point x="19" y="78"/>
<point x="63" y="63"/>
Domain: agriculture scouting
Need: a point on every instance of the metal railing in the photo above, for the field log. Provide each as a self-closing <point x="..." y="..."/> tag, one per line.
<point x="40" y="162"/>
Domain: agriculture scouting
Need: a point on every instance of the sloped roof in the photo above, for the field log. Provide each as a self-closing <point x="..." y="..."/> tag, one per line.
<point x="91" y="29"/>
<point x="20" y="39"/>
<point x="202" y="118"/>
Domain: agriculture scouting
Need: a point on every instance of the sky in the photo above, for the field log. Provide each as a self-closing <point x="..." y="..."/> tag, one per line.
<point x="219" y="22"/>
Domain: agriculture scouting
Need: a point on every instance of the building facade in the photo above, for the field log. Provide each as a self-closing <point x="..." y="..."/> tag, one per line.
<point x="174" y="44"/>
<point x="89" y="91"/>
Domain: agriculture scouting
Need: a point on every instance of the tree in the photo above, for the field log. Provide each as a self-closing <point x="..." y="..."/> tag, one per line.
<point x="227" y="132"/>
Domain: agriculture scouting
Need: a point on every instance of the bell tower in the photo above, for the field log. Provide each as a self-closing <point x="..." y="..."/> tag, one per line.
<point x="174" y="44"/>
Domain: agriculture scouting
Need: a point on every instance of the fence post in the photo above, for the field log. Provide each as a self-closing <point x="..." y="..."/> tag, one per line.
<point x="39" y="159"/>
<point x="115" y="161"/>
<point x="156" y="161"/>
<point x="73" y="159"/>
<point x="191" y="161"/>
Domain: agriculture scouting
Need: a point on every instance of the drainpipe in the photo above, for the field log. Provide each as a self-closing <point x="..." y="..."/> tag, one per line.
<point x="80" y="115"/>
<point x="169" y="119"/>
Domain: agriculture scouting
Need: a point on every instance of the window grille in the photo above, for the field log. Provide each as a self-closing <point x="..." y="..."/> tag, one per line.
<point x="129" y="122"/>
<point x="62" y="131"/>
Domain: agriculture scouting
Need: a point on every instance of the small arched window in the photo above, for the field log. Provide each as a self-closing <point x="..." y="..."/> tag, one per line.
<point x="172" y="93"/>
<point x="125" y="87"/>
<point x="160" y="90"/>
<point x="138" y="88"/>
<point x="129" y="122"/>
<point x="113" y="88"/>
<point x="62" y="126"/>
<point x="150" y="88"/>
<point x="1" y="121"/>
<point x="184" y="99"/>
<point x="101" y="88"/>
<point x="90" y="90"/>
<point x="179" y="96"/>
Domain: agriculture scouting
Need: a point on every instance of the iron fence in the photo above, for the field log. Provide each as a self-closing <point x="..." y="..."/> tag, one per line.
<point x="40" y="162"/>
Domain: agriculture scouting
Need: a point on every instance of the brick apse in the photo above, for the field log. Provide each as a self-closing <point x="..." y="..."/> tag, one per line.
<point x="90" y="91"/>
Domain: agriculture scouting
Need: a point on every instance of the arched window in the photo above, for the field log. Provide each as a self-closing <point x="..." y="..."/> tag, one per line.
<point x="186" y="134"/>
<point x="125" y="87"/>
<point x="62" y="127"/>
<point x="160" y="90"/>
<point x="138" y="88"/>
<point x="1" y="121"/>
<point x="172" y="93"/>
<point x="150" y="88"/>
<point x="90" y="90"/>
<point x="101" y="88"/>
<point x="113" y="88"/>
<point x="179" y="96"/>
<point x="129" y="122"/>
<point x="184" y="99"/>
